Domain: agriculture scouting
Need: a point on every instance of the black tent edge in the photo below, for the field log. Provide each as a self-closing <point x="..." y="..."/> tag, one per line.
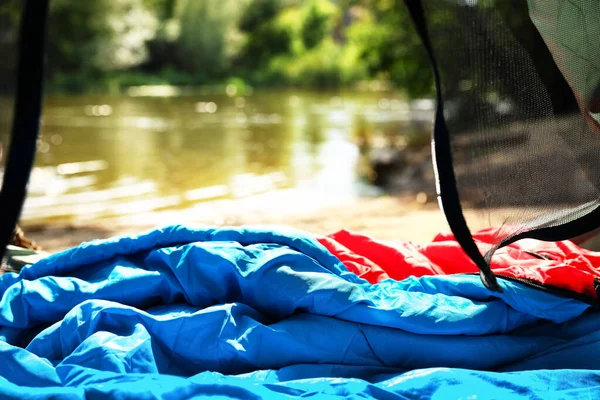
<point x="27" y="116"/>
<point x="448" y="190"/>
<point x="580" y="226"/>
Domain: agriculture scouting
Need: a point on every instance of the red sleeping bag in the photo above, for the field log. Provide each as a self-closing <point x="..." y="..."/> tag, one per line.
<point x="562" y="265"/>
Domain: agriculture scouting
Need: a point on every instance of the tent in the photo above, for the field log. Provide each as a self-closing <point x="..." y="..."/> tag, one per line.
<point x="253" y="313"/>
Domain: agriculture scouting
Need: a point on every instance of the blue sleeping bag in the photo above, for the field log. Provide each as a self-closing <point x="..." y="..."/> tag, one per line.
<point x="242" y="313"/>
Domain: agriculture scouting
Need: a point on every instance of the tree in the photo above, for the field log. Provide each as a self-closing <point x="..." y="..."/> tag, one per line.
<point x="209" y="36"/>
<point x="9" y="24"/>
<point x="389" y="45"/>
<point x="264" y="38"/>
<point x="100" y="35"/>
<point x="315" y="27"/>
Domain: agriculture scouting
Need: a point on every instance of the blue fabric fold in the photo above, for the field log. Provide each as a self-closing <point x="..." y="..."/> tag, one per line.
<point x="255" y="312"/>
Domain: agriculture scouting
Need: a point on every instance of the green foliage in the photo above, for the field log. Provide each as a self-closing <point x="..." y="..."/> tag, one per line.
<point x="162" y="9"/>
<point x="96" y="36"/>
<point x="257" y="13"/>
<point x="390" y="48"/>
<point x="315" y="43"/>
<point x="313" y="61"/>
<point x="264" y="37"/>
<point x="9" y="24"/>
<point x="315" y="27"/>
<point x="327" y="65"/>
<point x="209" y="37"/>
<point x="9" y="13"/>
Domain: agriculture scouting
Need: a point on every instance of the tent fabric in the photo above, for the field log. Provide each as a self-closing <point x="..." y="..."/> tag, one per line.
<point x="559" y="264"/>
<point x="516" y="132"/>
<point x="258" y="313"/>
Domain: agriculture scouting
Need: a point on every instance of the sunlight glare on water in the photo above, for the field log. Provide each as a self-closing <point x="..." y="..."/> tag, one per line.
<point x="156" y="149"/>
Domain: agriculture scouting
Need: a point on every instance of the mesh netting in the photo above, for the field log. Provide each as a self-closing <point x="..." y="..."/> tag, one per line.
<point x="520" y="82"/>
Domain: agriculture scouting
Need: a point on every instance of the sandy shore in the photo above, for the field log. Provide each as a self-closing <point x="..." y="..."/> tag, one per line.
<point x="385" y="218"/>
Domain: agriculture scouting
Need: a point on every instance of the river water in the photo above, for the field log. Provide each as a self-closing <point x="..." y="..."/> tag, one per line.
<point x="157" y="148"/>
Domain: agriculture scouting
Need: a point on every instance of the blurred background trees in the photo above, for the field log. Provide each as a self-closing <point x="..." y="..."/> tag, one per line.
<point x="108" y="45"/>
<point x="112" y="44"/>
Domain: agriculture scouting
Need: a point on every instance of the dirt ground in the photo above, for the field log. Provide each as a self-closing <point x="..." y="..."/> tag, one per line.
<point x="384" y="218"/>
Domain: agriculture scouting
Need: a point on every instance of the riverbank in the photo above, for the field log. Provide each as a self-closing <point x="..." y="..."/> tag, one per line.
<point x="385" y="218"/>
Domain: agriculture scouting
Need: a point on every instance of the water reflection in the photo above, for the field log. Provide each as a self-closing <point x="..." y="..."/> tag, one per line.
<point x="156" y="149"/>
